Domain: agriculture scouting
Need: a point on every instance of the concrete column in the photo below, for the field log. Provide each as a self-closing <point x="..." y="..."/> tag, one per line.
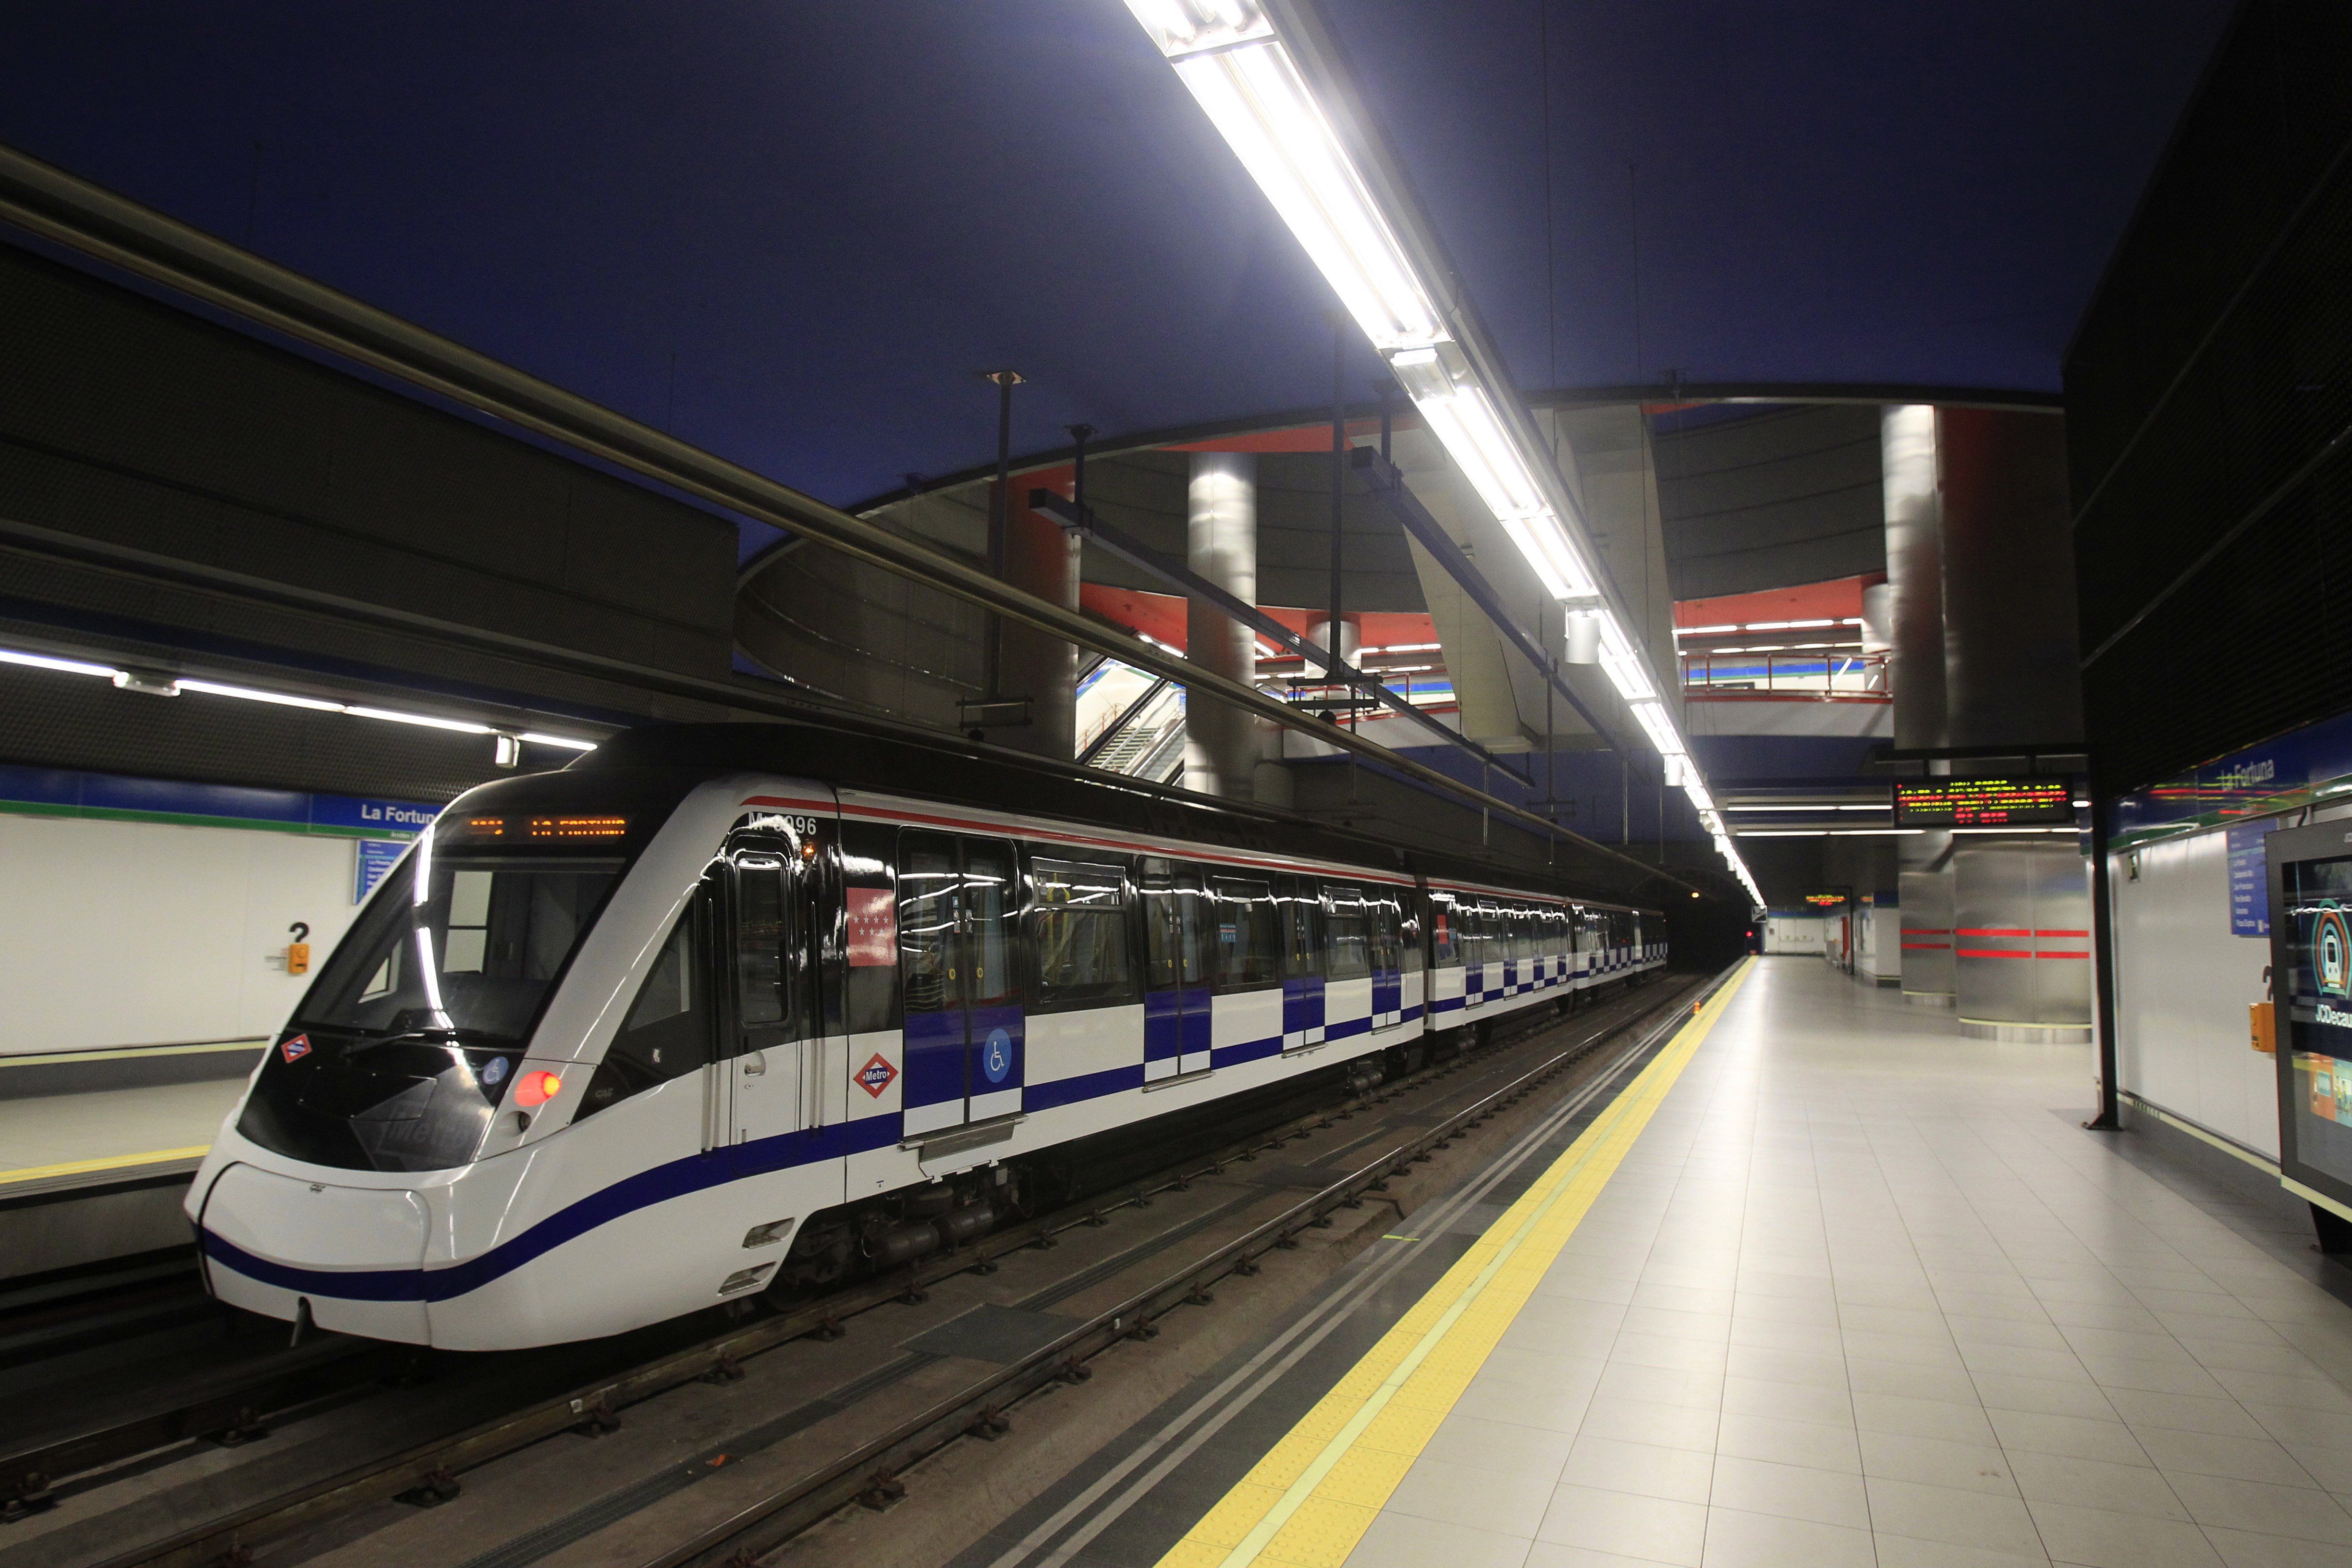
<point x="2010" y="662"/>
<point x="1040" y="557"/>
<point x="1915" y="574"/>
<point x="1222" y="746"/>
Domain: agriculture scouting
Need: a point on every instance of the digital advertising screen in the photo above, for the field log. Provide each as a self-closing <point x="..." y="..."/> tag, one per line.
<point x="1984" y="802"/>
<point x="2315" y="1055"/>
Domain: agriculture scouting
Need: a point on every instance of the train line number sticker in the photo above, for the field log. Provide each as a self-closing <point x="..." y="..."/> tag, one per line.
<point x="877" y="1075"/>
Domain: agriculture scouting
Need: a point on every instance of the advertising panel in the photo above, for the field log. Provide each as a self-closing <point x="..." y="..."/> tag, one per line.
<point x="2310" y="906"/>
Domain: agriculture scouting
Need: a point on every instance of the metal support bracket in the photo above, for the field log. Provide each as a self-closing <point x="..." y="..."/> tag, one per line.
<point x="1388" y="486"/>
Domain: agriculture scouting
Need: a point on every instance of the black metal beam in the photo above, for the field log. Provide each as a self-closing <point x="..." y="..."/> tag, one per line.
<point x="1389" y="486"/>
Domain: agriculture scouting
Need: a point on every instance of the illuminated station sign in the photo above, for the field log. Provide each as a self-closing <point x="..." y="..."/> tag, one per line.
<point x="1984" y="802"/>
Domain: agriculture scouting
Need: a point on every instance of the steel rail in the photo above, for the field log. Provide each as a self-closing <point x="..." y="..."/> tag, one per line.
<point x="870" y="1473"/>
<point x="435" y="1465"/>
<point x="233" y="1404"/>
<point x="87" y="218"/>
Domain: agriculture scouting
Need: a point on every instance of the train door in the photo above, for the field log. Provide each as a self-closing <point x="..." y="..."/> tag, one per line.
<point x="1479" y="949"/>
<point x="774" y="1053"/>
<point x="1302" y="962"/>
<point x="1176" y="930"/>
<point x="1443" y="985"/>
<point x="959" y="905"/>
<point x="1388" y="957"/>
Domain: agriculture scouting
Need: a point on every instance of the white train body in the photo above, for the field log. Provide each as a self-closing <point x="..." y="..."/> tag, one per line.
<point x="479" y="1144"/>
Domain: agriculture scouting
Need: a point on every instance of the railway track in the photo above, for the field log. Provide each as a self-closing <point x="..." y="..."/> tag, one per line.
<point x="433" y="1469"/>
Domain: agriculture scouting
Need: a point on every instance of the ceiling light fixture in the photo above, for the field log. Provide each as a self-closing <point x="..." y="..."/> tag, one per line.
<point x="1246" y="74"/>
<point x="174" y="686"/>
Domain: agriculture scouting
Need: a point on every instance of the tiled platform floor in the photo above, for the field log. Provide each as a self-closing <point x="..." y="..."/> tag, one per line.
<point x="1865" y="1293"/>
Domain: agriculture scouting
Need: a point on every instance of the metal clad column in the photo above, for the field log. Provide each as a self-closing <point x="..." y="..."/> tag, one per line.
<point x="1221" y="743"/>
<point x="1915" y="574"/>
<point x="1925" y="899"/>
<point x="2022" y="938"/>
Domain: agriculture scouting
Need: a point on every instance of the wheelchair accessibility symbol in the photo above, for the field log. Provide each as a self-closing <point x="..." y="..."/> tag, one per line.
<point x="996" y="1056"/>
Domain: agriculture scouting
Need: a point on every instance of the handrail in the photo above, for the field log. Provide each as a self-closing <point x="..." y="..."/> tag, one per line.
<point x="1794" y="674"/>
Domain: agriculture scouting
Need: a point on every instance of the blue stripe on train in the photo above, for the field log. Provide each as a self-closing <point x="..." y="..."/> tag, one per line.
<point x="677" y="1178"/>
<point x="696" y="1172"/>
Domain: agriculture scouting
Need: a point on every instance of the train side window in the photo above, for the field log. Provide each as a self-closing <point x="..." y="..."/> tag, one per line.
<point x="1523" y="933"/>
<point x="1302" y="942"/>
<point x="1078" y="930"/>
<point x="667" y="1031"/>
<point x="1404" y="906"/>
<point x="1472" y="918"/>
<point x="1445" y="929"/>
<point x="1249" y="934"/>
<point x="1347" y="941"/>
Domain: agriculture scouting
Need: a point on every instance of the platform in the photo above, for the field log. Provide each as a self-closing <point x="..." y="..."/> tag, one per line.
<point x="1823" y="1287"/>
<point x="85" y="1178"/>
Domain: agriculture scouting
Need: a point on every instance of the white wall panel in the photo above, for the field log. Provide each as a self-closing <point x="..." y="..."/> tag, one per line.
<point x="2182" y="986"/>
<point x="132" y="933"/>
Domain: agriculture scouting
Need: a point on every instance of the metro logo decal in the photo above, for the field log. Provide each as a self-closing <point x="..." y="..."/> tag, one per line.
<point x="2331" y="953"/>
<point x="295" y="1049"/>
<point x="877" y="1075"/>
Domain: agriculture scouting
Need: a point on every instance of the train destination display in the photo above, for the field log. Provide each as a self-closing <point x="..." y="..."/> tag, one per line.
<point x="1984" y="802"/>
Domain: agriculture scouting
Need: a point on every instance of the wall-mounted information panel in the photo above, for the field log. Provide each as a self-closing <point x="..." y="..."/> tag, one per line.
<point x="1984" y="802"/>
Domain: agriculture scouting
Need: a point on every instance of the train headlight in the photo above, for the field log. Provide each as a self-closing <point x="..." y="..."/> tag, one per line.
<point x="537" y="1088"/>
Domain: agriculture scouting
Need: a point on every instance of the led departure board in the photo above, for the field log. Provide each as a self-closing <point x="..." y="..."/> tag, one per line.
<point x="1984" y="802"/>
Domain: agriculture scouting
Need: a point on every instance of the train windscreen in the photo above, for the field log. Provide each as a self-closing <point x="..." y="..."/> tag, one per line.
<point x="411" y="1038"/>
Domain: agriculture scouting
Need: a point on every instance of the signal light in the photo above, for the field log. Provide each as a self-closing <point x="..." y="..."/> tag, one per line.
<point x="537" y="1088"/>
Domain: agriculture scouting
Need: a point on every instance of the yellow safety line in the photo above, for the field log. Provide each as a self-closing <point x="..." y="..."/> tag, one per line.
<point x="1310" y="1499"/>
<point x="111" y="1163"/>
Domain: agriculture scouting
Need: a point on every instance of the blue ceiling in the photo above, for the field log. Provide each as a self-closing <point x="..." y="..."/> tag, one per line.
<point x="794" y="232"/>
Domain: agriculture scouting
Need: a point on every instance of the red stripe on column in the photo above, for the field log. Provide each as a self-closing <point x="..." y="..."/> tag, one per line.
<point x="2061" y="955"/>
<point x="1994" y="952"/>
<point x="1993" y="931"/>
<point x="2080" y="933"/>
<point x="1930" y="946"/>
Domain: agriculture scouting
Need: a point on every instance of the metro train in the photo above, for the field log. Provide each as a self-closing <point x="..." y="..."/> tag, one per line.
<point x="722" y="1010"/>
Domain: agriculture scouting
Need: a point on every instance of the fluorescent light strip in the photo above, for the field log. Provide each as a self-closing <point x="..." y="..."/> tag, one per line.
<point x="1237" y="67"/>
<point x="286" y="699"/>
<point x="1765" y="627"/>
<point x="1830" y="832"/>
<point x="1824" y="807"/>
<point x="63" y="665"/>
<point x="247" y="693"/>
